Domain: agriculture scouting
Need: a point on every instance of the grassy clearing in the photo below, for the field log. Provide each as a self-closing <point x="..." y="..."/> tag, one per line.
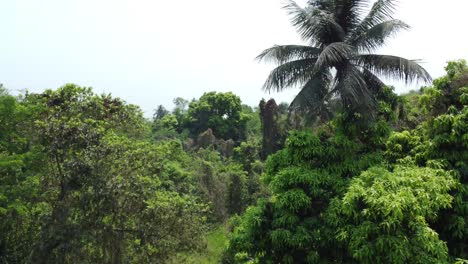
<point x="216" y="240"/>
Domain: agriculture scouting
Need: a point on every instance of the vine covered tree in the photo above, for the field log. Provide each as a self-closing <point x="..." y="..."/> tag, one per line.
<point x="339" y="60"/>
<point x="271" y="134"/>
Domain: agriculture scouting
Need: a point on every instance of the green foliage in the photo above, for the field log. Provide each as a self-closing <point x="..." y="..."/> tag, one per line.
<point x="211" y="183"/>
<point x="441" y="142"/>
<point x="412" y="113"/>
<point x="165" y="127"/>
<point x="14" y="122"/>
<point x="290" y="227"/>
<point x="20" y="174"/>
<point x="224" y="184"/>
<point x="219" y="111"/>
<point x="154" y="214"/>
<point x="247" y="153"/>
<point x="216" y="240"/>
<point x="354" y="192"/>
<point x="401" y="144"/>
<point x="86" y="179"/>
<point x="371" y="127"/>
<point x="79" y="185"/>
<point x="253" y="123"/>
<point x="237" y="189"/>
<point x="387" y="215"/>
<point x="448" y="90"/>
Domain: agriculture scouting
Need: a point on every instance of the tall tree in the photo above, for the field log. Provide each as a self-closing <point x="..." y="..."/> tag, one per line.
<point x="339" y="60"/>
<point x="271" y="134"/>
<point x="160" y="112"/>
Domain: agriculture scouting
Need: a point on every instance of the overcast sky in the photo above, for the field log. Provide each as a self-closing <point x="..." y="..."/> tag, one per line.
<point x="150" y="51"/>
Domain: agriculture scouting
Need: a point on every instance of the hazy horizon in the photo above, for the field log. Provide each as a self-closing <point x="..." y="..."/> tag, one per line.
<point x="149" y="52"/>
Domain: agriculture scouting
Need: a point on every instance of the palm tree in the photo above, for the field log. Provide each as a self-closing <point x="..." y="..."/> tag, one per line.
<point x="338" y="62"/>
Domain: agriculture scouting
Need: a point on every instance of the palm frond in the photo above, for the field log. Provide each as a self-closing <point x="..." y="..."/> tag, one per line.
<point x="374" y="84"/>
<point x="314" y="25"/>
<point x="353" y="87"/>
<point x="334" y="54"/>
<point x="381" y="11"/>
<point x="285" y="53"/>
<point x="393" y="67"/>
<point x="289" y="74"/>
<point x="347" y="12"/>
<point x="376" y="36"/>
<point x="322" y="4"/>
<point x="313" y="94"/>
<point x="336" y="35"/>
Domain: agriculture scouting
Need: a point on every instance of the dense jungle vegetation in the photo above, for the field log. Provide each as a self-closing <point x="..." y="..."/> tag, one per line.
<point x="349" y="172"/>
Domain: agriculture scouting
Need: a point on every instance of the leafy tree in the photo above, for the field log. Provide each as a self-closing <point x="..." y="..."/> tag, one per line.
<point x="211" y="182"/>
<point x="219" y="111"/>
<point x="21" y="168"/>
<point x="339" y="60"/>
<point x="165" y="127"/>
<point x="446" y="91"/>
<point x="412" y="112"/>
<point x="247" y="153"/>
<point x="442" y="140"/>
<point x="224" y="184"/>
<point x="83" y="187"/>
<point x="290" y="226"/>
<point x="253" y="123"/>
<point x="404" y="210"/>
<point x="387" y="215"/>
<point x="237" y="190"/>
<point x="141" y="213"/>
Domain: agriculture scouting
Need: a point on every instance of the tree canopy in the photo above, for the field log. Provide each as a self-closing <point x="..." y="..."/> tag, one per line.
<point x="221" y="112"/>
<point x="338" y="196"/>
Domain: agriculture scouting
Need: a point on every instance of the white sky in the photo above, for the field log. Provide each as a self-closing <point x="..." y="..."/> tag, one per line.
<point x="150" y="51"/>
